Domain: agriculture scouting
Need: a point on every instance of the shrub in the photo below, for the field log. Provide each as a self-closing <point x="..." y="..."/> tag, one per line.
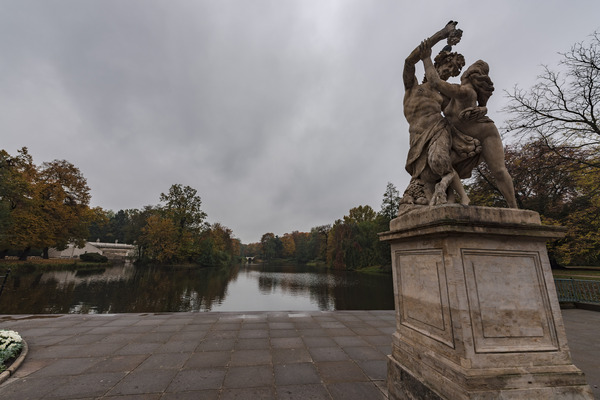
<point x="93" y="257"/>
<point x="10" y="346"/>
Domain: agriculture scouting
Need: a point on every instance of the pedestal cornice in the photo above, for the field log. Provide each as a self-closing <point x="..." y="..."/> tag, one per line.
<point x="458" y="219"/>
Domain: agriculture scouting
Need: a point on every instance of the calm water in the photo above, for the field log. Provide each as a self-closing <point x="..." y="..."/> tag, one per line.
<point x="126" y="288"/>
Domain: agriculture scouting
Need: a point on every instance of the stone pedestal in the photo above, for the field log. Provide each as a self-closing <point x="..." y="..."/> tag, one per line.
<point x="476" y="308"/>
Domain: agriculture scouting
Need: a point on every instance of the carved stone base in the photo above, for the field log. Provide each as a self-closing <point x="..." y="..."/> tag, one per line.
<point x="476" y="309"/>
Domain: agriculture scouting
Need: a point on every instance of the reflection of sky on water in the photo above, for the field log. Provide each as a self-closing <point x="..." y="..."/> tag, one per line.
<point x="243" y="297"/>
<point x="280" y="291"/>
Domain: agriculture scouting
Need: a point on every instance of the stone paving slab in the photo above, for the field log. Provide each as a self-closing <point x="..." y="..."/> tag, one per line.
<point x="268" y="355"/>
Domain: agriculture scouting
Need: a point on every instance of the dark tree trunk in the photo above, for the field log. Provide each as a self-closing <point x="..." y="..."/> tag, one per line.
<point x="45" y="253"/>
<point x="24" y="254"/>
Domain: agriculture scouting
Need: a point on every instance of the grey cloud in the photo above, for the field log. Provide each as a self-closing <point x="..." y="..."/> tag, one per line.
<point x="282" y="114"/>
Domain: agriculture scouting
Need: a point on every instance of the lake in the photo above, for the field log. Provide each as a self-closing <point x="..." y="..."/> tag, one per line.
<point x="126" y="288"/>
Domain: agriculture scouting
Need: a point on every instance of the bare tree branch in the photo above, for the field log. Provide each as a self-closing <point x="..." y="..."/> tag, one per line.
<point x="562" y="107"/>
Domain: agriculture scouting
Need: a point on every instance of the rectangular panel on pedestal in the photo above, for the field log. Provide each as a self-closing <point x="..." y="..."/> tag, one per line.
<point x="508" y="300"/>
<point x="423" y="294"/>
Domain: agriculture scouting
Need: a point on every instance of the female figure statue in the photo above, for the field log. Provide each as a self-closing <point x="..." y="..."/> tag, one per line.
<point x="466" y="112"/>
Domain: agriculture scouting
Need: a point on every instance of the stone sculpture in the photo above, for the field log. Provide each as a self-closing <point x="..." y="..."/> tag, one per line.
<point x="477" y="316"/>
<point x="444" y="148"/>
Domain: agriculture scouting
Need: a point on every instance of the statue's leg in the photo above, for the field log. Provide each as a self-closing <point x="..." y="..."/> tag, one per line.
<point x="440" y="163"/>
<point x="439" y="195"/>
<point x="493" y="154"/>
<point x="457" y="185"/>
<point x="429" y="189"/>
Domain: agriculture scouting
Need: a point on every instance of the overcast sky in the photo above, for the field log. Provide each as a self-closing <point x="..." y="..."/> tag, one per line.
<point x="282" y="114"/>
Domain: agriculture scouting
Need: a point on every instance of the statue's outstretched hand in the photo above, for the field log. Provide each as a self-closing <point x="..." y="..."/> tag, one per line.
<point x="425" y="49"/>
<point x="450" y="26"/>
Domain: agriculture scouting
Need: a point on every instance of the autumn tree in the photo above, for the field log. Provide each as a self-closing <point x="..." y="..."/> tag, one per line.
<point x="42" y="207"/>
<point x="252" y="249"/>
<point x="182" y="206"/>
<point x="581" y="246"/>
<point x="557" y="185"/>
<point x="289" y="245"/>
<point x="19" y="220"/>
<point x="160" y="240"/>
<point x="563" y="108"/>
<point x="64" y="201"/>
<point x="543" y="179"/>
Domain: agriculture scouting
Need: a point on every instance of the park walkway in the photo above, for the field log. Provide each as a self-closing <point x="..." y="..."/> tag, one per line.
<point x="264" y="355"/>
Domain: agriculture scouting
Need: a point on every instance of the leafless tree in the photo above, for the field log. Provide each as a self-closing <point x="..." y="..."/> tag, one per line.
<point x="563" y="108"/>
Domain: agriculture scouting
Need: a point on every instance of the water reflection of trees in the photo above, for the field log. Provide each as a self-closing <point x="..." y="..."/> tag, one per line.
<point x="143" y="289"/>
<point x="168" y="289"/>
<point x="330" y="290"/>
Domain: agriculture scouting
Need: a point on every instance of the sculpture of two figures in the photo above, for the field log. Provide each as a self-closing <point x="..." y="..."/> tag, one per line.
<point x="450" y="133"/>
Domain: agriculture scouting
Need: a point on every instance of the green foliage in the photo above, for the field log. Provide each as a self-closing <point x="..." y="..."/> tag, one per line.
<point x="353" y="242"/>
<point x="271" y="247"/>
<point x="11" y="344"/>
<point x="390" y="202"/>
<point x="93" y="257"/>
<point x="182" y="206"/>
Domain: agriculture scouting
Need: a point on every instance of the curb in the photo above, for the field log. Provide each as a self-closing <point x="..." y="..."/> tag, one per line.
<point x="16" y="364"/>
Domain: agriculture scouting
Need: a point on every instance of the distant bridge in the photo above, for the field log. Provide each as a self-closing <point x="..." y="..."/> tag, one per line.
<point x="250" y="259"/>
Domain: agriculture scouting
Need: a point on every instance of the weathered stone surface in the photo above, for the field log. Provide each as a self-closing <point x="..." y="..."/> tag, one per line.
<point x="449" y="130"/>
<point x="455" y="218"/>
<point x="477" y="312"/>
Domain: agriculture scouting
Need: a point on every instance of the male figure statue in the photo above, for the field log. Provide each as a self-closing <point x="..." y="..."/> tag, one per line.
<point x="430" y="158"/>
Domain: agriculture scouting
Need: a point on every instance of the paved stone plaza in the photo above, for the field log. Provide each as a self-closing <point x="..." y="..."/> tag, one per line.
<point x="269" y="355"/>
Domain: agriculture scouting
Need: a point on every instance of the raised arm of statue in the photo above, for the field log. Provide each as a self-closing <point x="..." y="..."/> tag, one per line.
<point x="448" y="32"/>
<point x="448" y="89"/>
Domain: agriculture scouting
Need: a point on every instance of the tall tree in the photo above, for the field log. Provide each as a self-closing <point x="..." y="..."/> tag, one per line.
<point x="18" y="222"/>
<point x="271" y="246"/>
<point x="289" y="245"/>
<point x="319" y="235"/>
<point x="353" y="242"/>
<point x="360" y="214"/>
<point x="563" y="108"/>
<point x="64" y="201"/>
<point x="390" y="202"/>
<point x="160" y="240"/>
<point x="42" y="207"/>
<point x="183" y="207"/>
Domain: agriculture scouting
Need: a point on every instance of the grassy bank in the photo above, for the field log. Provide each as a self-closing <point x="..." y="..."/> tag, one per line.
<point x="48" y="265"/>
<point x="585" y="273"/>
<point x="376" y="269"/>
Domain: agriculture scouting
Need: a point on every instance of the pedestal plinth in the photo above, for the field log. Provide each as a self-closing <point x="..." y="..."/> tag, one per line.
<point x="476" y="308"/>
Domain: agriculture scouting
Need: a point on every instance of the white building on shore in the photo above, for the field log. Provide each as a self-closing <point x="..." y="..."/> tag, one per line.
<point x="113" y="251"/>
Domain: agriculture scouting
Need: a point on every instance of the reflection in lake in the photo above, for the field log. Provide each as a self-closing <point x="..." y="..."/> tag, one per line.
<point x="256" y="287"/>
